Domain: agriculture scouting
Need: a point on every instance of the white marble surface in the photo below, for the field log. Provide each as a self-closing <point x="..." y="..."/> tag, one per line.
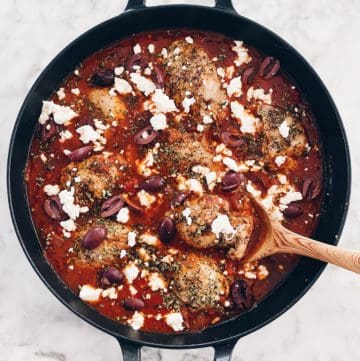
<point x="34" y="326"/>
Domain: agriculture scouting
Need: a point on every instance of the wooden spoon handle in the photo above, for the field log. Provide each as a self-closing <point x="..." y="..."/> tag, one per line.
<point x="290" y="242"/>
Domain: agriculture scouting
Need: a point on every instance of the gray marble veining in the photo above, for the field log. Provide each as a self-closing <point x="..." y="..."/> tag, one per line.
<point x="323" y="326"/>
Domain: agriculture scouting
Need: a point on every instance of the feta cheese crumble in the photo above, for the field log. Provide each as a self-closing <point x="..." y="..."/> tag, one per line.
<point x="280" y="160"/>
<point x="136" y="321"/>
<point x="137" y="49"/>
<point x="121" y="86"/>
<point x="88" y="134"/>
<point x="156" y="282"/>
<point x="186" y="214"/>
<point x="175" y="321"/>
<point x="234" y="87"/>
<point x="162" y="102"/>
<point x="189" y="40"/>
<point x="89" y="293"/>
<point x="131" y="238"/>
<point x="284" y="129"/>
<point x="131" y="271"/>
<point x="222" y="227"/>
<point x="187" y="103"/>
<point x="51" y="190"/>
<point x="151" y="48"/>
<point x="259" y="94"/>
<point x="242" y="53"/>
<point x="248" y="121"/>
<point x="145" y="85"/>
<point x="61" y="94"/>
<point x="61" y="113"/>
<point x="123" y="215"/>
<point x="158" y="121"/>
<point x="145" y="198"/>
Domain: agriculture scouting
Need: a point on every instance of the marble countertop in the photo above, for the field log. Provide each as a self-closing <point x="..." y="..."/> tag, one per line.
<point x="323" y="326"/>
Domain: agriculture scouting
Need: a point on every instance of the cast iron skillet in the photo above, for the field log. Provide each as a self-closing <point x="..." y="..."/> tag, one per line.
<point x="223" y="19"/>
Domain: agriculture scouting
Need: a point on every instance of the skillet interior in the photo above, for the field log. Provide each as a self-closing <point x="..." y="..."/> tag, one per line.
<point x="336" y="162"/>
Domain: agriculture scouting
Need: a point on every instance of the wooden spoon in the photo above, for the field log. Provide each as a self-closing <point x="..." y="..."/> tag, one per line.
<point x="278" y="239"/>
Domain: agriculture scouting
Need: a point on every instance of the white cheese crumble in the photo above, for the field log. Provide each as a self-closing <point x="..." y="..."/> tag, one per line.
<point x="131" y="271"/>
<point x="162" y="102"/>
<point x="65" y="135"/>
<point x="60" y="113"/>
<point x="151" y="48"/>
<point x="158" y="121"/>
<point x="280" y="160"/>
<point x="194" y="186"/>
<point x="221" y="226"/>
<point x="61" y="93"/>
<point x="207" y="119"/>
<point x="189" y="40"/>
<point x="221" y="72"/>
<point x="149" y="239"/>
<point x="145" y="198"/>
<point x="123" y="253"/>
<point x="156" y="282"/>
<point x="110" y="293"/>
<point x="89" y="293"/>
<point x="136" y="321"/>
<point x="123" y="215"/>
<point x="121" y="86"/>
<point x="259" y="94"/>
<point x="88" y="134"/>
<point x="186" y="214"/>
<point x="187" y="103"/>
<point x="211" y="178"/>
<point x="75" y="91"/>
<point x="69" y="225"/>
<point x="200" y="128"/>
<point x="143" y="84"/>
<point x="69" y="207"/>
<point x="51" y="190"/>
<point x="175" y="321"/>
<point x="119" y="70"/>
<point x="289" y="197"/>
<point x="164" y="52"/>
<point x="131" y="238"/>
<point x="137" y="49"/>
<point x="284" y="129"/>
<point x="234" y="87"/>
<point x="248" y="121"/>
<point x="242" y="53"/>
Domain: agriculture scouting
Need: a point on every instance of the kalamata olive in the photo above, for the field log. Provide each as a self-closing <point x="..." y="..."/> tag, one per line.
<point x="112" y="205"/>
<point x="231" y="180"/>
<point x="241" y="295"/>
<point x="136" y="59"/>
<point x="48" y="130"/>
<point x="159" y="76"/>
<point x="311" y="188"/>
<point x="103" y="77"/>
<point x="179" y="199"/>
<point x="79" y="154"/>
<point x="111" y="276"/>
<point x="53" y="208"/>
<point x="94" y="237"/>
<point x="269" y="67"/>
<point x="152" y="184"/>
<point x="167" y="229"/>
<point x="232" y="140"/>
<point x="85" y="121"/>
<point x="293" y="211"/>
<point x="133" y="304"/>
<point x="248" y="75"/>
<point x="145" y="135"/>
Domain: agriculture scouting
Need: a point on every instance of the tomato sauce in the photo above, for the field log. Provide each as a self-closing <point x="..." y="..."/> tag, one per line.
<point x="47" y="161"/>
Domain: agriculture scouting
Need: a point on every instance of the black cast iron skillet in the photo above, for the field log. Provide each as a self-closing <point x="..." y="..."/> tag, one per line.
<point x="223" y="19"/>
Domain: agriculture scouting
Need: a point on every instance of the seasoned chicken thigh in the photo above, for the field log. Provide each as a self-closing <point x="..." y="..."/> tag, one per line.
<point x="112" y="106"/>
<point x="199" y="282"/>
<point x="191" y="71"/>
<point x="93" y="177"/>
<point x="284" y="134"/>
<point x="209" y="222"/>
<point x="109" y="249"/>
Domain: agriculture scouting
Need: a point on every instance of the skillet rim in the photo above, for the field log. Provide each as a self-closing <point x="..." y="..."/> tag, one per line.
<point x="99" y="323"/>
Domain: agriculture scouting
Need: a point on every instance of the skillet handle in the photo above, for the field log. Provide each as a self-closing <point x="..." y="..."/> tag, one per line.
<point x="225" y="4"/>
<point x="220" y="4"/>
<point x="223" y="352"/>
<point x="130" y="351"/>
<point x="134" y="4"/>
